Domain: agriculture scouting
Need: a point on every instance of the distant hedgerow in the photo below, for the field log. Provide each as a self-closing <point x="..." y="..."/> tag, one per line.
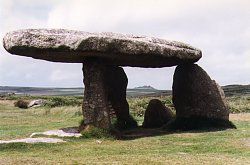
<point x="62" y="101"/>
<point x="239" y="104"/>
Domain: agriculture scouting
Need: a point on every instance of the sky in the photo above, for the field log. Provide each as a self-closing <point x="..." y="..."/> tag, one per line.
<point x="220" y="28"/>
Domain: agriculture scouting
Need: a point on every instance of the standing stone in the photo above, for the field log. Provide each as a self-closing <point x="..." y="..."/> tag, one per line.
<point x="156" y="114"/>
<point x="222" y="94"/>
<point x="105" y="90"/>
<point x="95" y="103"/>
<point x="196" y="95"/>
<point x="116" y="85"/>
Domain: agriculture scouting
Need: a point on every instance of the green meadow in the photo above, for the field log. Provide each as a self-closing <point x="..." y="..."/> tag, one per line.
<point x="231" y="146"/>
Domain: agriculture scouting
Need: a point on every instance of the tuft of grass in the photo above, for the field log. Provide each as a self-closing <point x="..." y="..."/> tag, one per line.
<point x="94" y="132"/>
<point x="239" y="104"/>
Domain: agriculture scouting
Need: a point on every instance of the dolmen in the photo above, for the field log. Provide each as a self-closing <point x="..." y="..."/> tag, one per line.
<point x="195" y="95"/>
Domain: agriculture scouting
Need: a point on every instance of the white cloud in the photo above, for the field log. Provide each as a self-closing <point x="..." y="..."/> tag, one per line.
<point x="59" y="75"/>
<point x="219" y="28"/>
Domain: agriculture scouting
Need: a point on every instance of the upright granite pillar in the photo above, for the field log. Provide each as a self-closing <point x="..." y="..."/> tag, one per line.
<point x="196" y="95"/>
<point x="105" y="89"/>
<point x="95" y="103"/>
<point x="116" y="83"/>
<point x="198" y="100"/>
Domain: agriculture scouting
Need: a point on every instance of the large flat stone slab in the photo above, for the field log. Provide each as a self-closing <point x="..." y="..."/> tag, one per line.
<point x="59" y="133"/>
<point x="60" y="45"/>
<point x="34" y="140"/>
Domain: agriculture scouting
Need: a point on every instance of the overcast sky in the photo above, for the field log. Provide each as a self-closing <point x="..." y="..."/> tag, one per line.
<point x="220" y="28"/>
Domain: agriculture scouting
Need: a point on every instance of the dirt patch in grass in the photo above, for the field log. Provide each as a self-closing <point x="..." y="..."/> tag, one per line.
<point x="247" y="142"/>
<point x="240" y="117"/>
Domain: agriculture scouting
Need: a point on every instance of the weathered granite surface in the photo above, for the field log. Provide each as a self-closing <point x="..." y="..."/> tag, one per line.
<point x="105" y="91"/>
<point x="60" y="45"/>
<point x="116" y="86"/>
<point x="196" y="95"/>
<point x="96" y="110"/>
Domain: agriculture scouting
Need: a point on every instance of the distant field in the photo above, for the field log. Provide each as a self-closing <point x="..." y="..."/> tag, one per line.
<point x="34" y="91"/>
<point x="230" y="90"/>
<point x="236" y="90"/>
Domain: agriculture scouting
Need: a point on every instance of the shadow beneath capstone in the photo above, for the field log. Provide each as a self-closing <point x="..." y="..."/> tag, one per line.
<point x="190" y="125"/>
<point x="181" y="125"/>
<point x="140" y="132"/>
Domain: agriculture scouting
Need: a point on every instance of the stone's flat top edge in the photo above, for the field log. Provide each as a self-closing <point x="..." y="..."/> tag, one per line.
<point x="111" y="35"/>
<point x="63" y="45"/>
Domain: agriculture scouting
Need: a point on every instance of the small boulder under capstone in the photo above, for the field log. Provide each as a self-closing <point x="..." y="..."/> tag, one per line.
<point x="156" y="114"/>
<point x="198" y="98"/>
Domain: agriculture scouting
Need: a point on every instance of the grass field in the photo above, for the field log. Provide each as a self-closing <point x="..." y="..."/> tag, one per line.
<point x="230" y="146"/>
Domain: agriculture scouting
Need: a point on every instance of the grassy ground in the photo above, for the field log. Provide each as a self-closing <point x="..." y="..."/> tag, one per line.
<point x="15" y="122"/>
<point x="230" y="146"/>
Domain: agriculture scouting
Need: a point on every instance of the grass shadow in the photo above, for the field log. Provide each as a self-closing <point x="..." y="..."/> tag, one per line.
<point x="193" y="124"/>
<point x="139" y="132"/>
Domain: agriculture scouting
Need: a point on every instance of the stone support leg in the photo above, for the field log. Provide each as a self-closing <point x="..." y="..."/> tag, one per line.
<point x="105" y="90"/>
<point x="196" y="95"/>
<point x="116" y="83"/>
<point x="198" y="100"/>
<point x="95" y="103"/>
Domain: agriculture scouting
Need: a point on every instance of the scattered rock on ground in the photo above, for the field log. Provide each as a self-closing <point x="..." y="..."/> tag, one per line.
<point x="37" y="102"/>
<point x="25" y="104"/>
<point x="21" y="104"/>
<point x="64" y="132"/>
